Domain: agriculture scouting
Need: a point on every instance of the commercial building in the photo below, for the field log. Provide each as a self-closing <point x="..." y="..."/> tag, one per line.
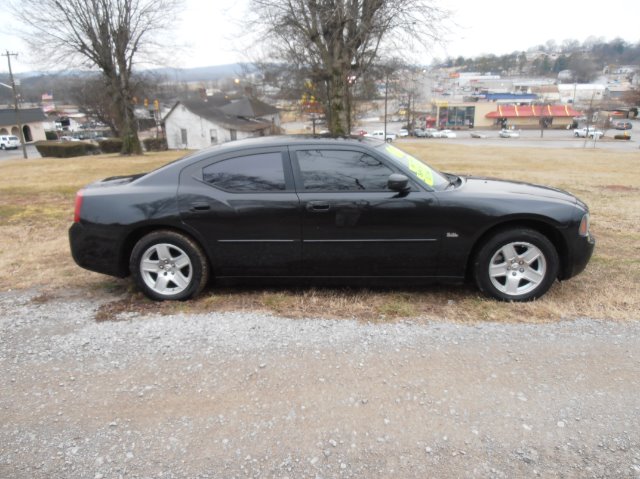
<point x="483" y="114"/>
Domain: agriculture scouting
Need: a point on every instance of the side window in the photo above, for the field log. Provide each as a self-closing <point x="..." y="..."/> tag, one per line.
<point x="253" y="173"/>
<point x="342" y="170"/>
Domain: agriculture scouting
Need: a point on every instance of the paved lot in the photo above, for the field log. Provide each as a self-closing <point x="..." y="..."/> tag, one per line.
<point x="18" y="154"/>
<point x="550" y="139"/>
<point x="528" y="138"/>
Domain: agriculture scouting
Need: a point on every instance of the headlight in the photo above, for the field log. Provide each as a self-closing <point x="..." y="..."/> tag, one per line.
<point x="584" y="226"/>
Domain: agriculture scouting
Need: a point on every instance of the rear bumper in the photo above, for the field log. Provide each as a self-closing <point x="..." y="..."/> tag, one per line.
<point x="97" y="248"/>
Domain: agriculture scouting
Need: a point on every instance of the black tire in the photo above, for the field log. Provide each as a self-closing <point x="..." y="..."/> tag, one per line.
<point x="176" y="267"/>
<point x="2" y="146"/>
<point x="516" y="265"/>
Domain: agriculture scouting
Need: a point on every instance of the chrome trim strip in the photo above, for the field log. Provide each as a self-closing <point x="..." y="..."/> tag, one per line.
<point x="258" y="241"/>
<point x="410" y="240"/>
<point x="401" y="240"/>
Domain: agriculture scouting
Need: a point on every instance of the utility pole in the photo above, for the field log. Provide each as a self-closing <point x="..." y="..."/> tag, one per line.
<point x="386" y="96"/>
<point x="15" y="102"/>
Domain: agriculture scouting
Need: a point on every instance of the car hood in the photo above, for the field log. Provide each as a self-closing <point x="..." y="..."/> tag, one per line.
<point x="496" y="187"/>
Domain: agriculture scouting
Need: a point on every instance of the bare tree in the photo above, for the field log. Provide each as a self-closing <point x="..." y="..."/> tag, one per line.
<point x="632" y="97"/>
<point x="338" y="40"/>
<point x="583" y="67"/>
<point x="89" y="94"/>
<point x="107" y="34"/>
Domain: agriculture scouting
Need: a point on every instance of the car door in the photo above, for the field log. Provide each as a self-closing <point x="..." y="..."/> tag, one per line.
<point x="244" y="207"/>
<point x="353" y="225"/>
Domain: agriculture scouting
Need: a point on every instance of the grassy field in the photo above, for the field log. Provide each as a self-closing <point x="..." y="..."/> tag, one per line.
<point x="37" y="208"/>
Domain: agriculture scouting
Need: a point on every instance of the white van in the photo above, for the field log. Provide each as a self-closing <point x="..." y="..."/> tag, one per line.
<point x="8" y="142"/>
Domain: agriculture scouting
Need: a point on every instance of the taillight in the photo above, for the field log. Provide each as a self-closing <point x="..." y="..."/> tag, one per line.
<point x="78" y="207"/>
<point x="584" y="225"/>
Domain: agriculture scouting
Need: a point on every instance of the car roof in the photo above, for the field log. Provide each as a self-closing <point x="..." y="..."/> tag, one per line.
<point x="287" y="140"/>
<point x="262" y="142"/>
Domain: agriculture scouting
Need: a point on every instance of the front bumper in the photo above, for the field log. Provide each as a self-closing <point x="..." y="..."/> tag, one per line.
<point x="580" y="253"/>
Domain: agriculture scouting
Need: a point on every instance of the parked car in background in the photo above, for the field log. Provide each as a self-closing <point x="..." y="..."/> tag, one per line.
<point x="379" y="134"/>
<point x="509" y="134"/>
<point x="589" y="132"/>
<point x="9" y="142"/>
<point x="622" y="125"/>
<point x="446" y="134"/>
<point x="420" y="133"/>
<point x="301" y="208"/>
<point x="403" y="132"/>
<point x="431" y="132"/>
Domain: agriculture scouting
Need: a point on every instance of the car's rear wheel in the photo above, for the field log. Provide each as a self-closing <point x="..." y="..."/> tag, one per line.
<point x="167" y="265"/>
<point x="516" y="265"/>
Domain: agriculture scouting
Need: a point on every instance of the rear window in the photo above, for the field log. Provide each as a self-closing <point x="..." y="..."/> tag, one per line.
<point x="251" y="174"/>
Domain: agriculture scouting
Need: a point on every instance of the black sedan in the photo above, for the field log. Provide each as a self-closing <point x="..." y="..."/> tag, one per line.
<point x="302" y="208"/>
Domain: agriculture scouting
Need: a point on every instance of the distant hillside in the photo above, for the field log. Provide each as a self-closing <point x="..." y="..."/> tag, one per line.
<point x="215" y="72"/>
<point x="63" y="84"/>
<point x="586" y="60"/>
<point x="203" y="73"/>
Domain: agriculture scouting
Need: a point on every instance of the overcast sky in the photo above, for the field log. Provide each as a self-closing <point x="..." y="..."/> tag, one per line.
<point x="208" y="29"/>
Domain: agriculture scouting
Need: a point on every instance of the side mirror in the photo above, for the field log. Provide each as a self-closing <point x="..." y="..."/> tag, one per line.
<point x="398" y="182"/>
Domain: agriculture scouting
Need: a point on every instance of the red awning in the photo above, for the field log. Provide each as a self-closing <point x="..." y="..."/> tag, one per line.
<point x="533" y="111"/>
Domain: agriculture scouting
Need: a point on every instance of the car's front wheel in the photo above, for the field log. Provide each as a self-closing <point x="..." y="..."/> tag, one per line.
<point x="516" y="265"/>
<point x="167" y="265"/>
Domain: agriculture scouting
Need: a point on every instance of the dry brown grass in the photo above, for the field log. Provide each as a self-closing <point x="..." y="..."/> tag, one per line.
<point x="37" y="206"/>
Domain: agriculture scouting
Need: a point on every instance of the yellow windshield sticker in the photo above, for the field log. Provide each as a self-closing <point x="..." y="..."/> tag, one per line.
<point x="396" y="152"/>
<point x="421" y="170"/>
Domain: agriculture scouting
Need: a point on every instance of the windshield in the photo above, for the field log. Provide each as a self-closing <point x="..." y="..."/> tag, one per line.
<point x="423" y="172"/>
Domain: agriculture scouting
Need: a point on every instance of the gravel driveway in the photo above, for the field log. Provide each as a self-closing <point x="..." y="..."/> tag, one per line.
<point x="250" y="395"/>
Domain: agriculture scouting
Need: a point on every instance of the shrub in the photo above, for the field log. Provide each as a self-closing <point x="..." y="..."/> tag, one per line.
<point x="111" y="145"/>
<point x="68" y="149"/>
<point x="622" y="137"/>
<point x="155" y="144"/>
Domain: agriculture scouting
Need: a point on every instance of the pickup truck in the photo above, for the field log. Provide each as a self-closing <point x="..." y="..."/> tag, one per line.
<point x="380" y="135"/>
<point x="587" y="132"/>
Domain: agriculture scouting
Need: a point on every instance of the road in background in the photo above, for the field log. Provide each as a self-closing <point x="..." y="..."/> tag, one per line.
<point x="17" y="154"/>
<point x="527" y="139"/>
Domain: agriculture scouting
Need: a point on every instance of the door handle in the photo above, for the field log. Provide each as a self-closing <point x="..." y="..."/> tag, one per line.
<point x="200" y="206"/>
<point x="318" y="207"/>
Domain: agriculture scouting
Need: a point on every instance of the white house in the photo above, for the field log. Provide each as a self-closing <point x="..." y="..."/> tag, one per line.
<point x="196" y="124"/>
